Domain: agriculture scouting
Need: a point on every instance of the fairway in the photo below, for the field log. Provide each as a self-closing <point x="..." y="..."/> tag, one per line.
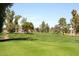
<point x="39" y="29"/>
<point x="40" y="44"/>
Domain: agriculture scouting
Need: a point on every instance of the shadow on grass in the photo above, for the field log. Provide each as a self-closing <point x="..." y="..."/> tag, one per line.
<point x="17" y="39"/>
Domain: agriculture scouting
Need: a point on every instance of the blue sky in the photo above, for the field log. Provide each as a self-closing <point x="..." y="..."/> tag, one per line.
<point x="48" y="12"/>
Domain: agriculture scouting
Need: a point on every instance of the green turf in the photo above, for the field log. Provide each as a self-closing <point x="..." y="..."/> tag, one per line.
<point x="40" y="44"/>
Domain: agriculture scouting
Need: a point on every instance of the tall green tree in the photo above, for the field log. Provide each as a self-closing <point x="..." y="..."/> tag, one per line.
<point x="47" y="28"/>
<point x="9" y="20"/>
<point x="75" y="20"/>
<point x="62" y="24"/>
<point x="3" y="7"/>
<point x="26" y="26"/>
<point x="17" y="17"/>
<point x="62" y="21"/>
<point x="42" y="27"/>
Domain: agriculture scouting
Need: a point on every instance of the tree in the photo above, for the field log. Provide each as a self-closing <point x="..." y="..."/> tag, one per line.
<point x="67" y="28"/>
<point x="9" y="20"/>
<point x="31" y="26"/>
<point x="37" y="29"/>
<point x="56" y="29"/>
<point x="42" y="27"/>
<point x="17" y="17"/>
<point x="62" y="24"/>
<point x="3" y="7"/>
<point x="26" y="26"/>
<point x="75" y="21"/>
<point x="47" y="28"/>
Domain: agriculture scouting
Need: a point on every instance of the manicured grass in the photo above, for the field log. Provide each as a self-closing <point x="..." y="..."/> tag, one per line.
<point x="40" y="44"/>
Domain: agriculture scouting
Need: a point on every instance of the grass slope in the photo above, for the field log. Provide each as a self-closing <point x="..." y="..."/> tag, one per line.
<point x="40" y="44"/>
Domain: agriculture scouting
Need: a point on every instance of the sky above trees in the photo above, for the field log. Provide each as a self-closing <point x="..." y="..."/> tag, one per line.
<point x="48" y="12"/>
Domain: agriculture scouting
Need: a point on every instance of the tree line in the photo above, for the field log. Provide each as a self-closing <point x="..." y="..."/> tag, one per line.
<point x="11" y="22"/>
<point x="10" y="19"/>
<point x="64" y="27"/>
